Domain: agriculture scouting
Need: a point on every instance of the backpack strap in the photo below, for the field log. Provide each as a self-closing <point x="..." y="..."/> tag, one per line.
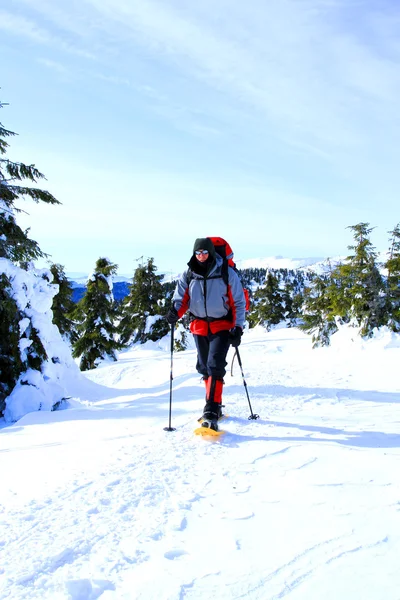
<point x="224" y="274"/>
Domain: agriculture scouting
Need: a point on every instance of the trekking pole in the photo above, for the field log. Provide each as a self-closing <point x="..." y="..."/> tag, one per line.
<point x="252" y="416"/>
<point x="169" y="428"/>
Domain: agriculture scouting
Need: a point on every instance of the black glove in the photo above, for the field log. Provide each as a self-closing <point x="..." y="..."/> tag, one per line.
<point x="235" y="336"/>
<point x="172" y="316"/>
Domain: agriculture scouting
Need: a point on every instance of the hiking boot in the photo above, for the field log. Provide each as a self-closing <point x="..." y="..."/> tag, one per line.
<point x="210" y="424"/>
<point x="212" y="411"/>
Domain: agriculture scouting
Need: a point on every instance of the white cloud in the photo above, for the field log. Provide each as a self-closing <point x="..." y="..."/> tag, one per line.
<point x="20" y="26"/>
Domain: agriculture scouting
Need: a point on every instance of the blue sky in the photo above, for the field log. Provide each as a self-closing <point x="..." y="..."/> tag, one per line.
<point x="273" y="123"/>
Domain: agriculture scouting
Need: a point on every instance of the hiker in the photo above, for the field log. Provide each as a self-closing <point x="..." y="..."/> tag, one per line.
<point x="212" y="293"/>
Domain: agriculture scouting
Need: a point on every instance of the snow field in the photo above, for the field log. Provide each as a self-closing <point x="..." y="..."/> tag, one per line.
<point x="97" y="501"/>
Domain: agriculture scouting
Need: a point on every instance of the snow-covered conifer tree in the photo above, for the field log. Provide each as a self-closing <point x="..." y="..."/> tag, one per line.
<point x="33" y="357"/>
<point x="268" y="307"/>
<point x="62" y="304"/>
<point x="143" y="308"/>
<point x="96" y="315"/>
<point x="318" y="316"/>
<point x="359" y="296"/>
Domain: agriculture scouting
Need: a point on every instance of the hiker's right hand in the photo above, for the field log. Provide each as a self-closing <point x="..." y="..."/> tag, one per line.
<point x="172" y="316"/>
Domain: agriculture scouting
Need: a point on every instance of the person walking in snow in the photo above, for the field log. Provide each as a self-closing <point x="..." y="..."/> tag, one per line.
<point x="213" y="294"/>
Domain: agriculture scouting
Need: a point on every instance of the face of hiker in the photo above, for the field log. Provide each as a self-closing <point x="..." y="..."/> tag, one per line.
<point x="201" y="255"/>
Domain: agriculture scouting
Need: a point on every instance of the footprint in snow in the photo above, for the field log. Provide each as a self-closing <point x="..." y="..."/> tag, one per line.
<point x="93" y="511"/>
<point x="112" y="484"/>
<point x="174" y="554"/>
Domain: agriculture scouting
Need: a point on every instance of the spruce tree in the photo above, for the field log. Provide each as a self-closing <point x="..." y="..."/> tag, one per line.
<point x="96" y="314"/>
<point x="393" y="281"/>
<point x="359" y="285"/>
<point x="11" y="365"/>
<point x="318" y="316"/>
<point x="21" y="348"/>
<point x="14" y="242"/>
<point x="268" y="307"/>
<point x="63" y="305"/>
<point x="143" y="308"/>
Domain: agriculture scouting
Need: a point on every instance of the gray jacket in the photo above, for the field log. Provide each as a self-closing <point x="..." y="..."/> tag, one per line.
<point x="210" y="298"/>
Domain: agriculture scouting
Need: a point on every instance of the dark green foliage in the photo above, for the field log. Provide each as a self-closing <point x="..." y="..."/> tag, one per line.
<point x="351" y="292"/>
<point x="11" y="365"/>
<point x="268" y="301"/>
<point x="146" y="299"/>
<point x="62" y="304"/>
<point x="24" y="350"/>
<point x="96" y="314"/>
<point x="393" y="281"/>
<point x="20" y="345"/>
<point x="318" y="316"/>
<point x="35" y="353"/>
<point x="181" y="340"/>
<point x="359" y="291"/>
<point x="279" y="295"/>
<point x="14" y="242"/>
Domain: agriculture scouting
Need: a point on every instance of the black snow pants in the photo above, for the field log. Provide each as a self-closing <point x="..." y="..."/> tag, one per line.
<point x="211" y="353"/>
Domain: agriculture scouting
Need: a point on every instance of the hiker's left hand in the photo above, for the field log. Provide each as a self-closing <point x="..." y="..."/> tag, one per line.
<point x="235" y="336"/>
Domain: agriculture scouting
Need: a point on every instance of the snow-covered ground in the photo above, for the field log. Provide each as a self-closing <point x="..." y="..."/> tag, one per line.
<point x="98" y="501"/>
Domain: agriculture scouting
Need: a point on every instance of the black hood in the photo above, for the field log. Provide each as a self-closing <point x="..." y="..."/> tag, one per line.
<point x="204" y="244"/>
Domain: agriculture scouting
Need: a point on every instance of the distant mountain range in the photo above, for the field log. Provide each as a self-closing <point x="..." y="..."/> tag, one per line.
<point x="121" y="282"/>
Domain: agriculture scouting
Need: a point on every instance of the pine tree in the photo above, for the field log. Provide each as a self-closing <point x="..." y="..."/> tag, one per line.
<point x="268" y="307"/>
<point x="393" y="281"/>
<point x="96" y="314"/>
<point x="14" y="242"/>
<point x="359" y="285"/>
<point x="143" y="308"/>
<point x="11" y="365"/>
<point x="21" y="348"/>
<point x="63" y="305"/>
<point x="318" y="316"/>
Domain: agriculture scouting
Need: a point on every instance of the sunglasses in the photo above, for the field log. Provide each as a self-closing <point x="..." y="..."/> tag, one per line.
<point x="198" y="252"/>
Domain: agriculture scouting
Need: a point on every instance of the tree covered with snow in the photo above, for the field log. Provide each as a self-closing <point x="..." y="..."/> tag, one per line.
<point x="318" y="316"/>
<point x="358" y="296"/>
<point x="63" y="305"/>
<point x="268" y="303"/>
<point x="277" y="298"/>
<point x="11" y="365"/>
<point x="33" y="358"/>
<point x="143" y="309"/>
<point x="96" y="316"/>
<point x="353" y="292"/>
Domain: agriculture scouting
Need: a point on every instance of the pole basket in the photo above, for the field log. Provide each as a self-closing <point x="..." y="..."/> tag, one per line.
<point x="253" y="417"/>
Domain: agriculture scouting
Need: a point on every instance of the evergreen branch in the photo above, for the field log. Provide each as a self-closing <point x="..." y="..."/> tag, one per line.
<point x="35" y="194"/>
<point x="6" y="132"/>
<point x="3" y="145"/>
<point x="21" y="171"/>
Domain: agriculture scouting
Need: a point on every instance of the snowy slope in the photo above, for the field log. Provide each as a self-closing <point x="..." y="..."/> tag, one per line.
<point x="98" y="501"/>
<point x="277" y="262"/>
